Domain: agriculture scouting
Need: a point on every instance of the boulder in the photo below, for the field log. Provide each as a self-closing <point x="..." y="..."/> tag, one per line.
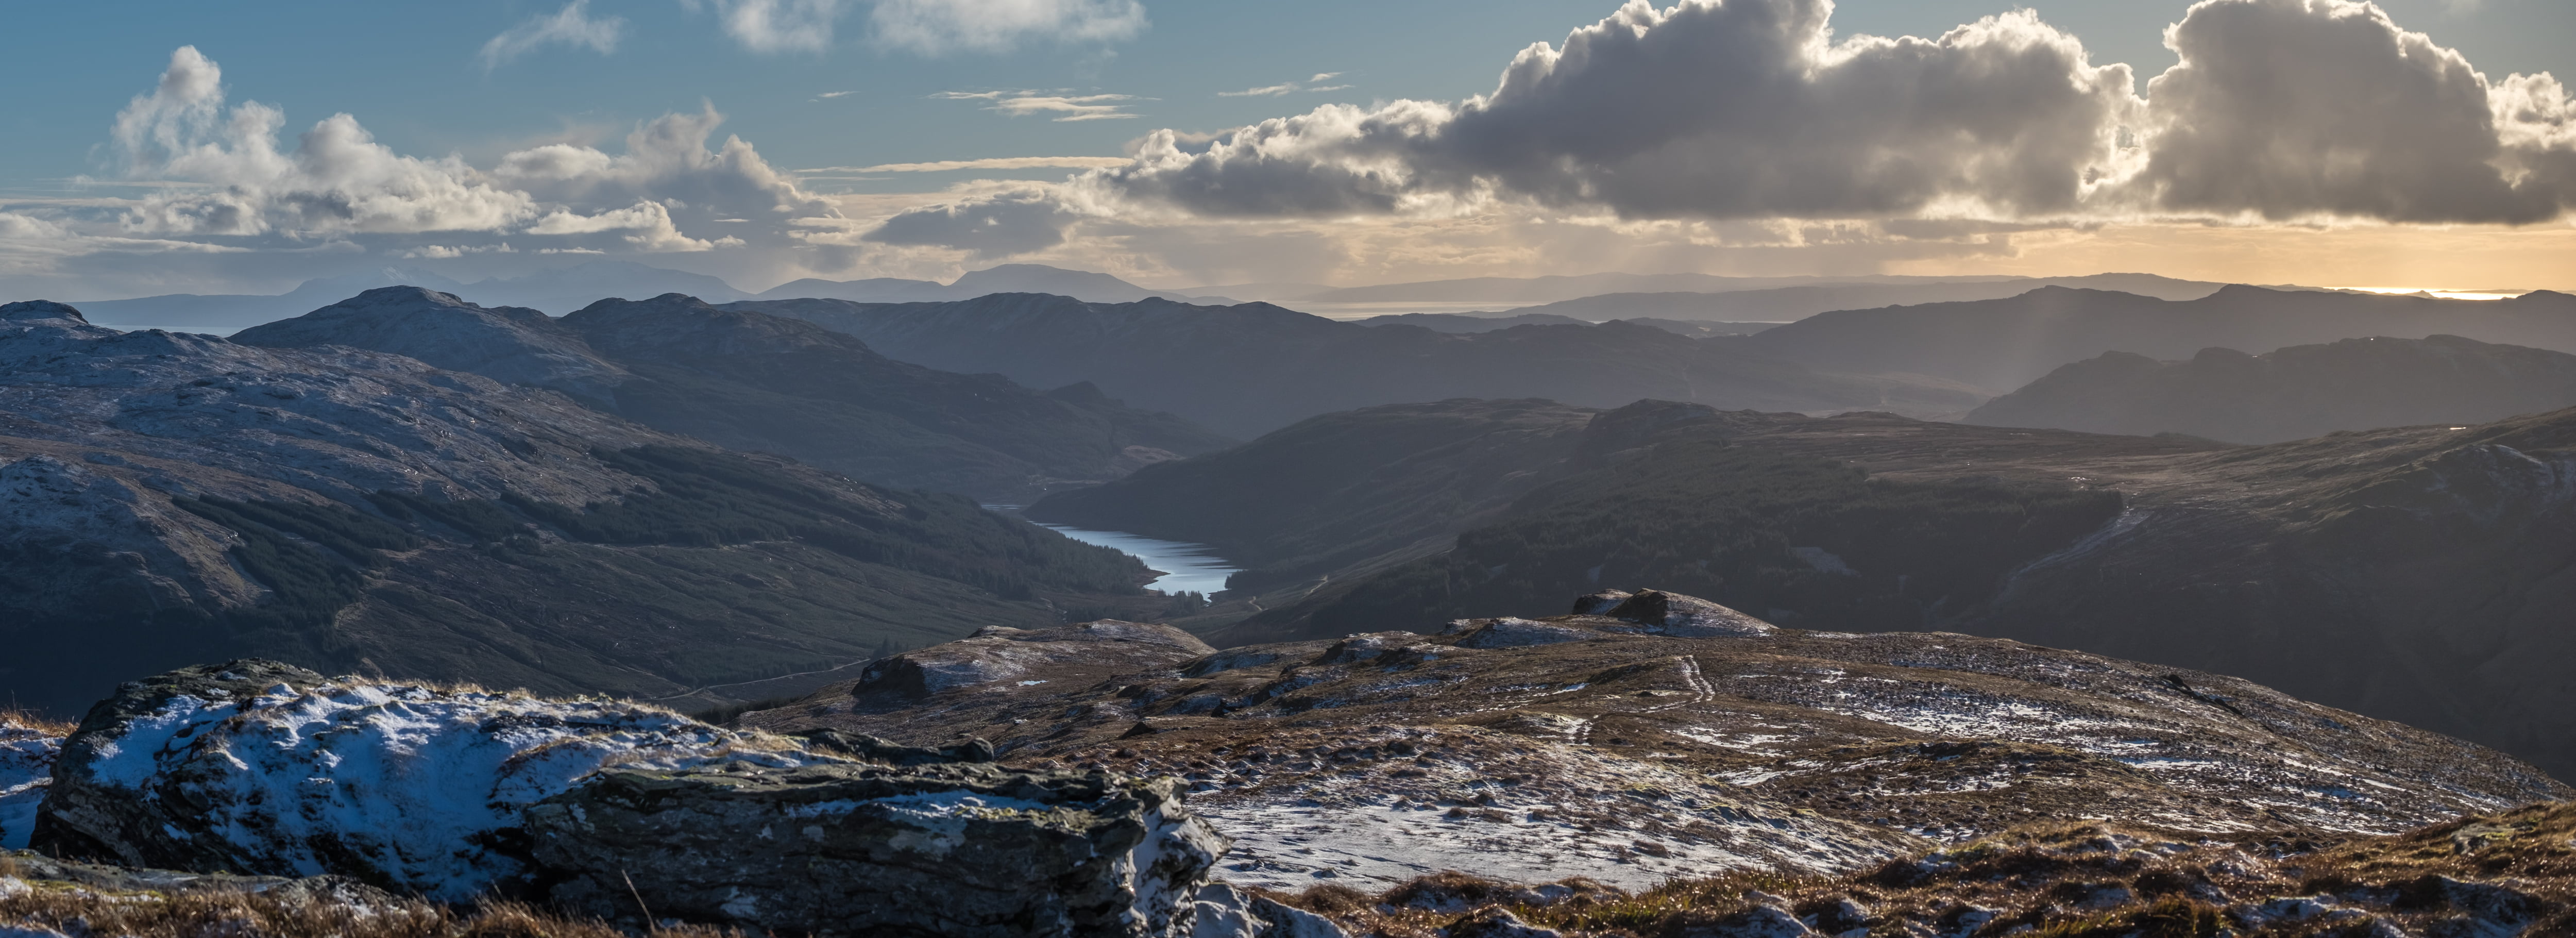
<point x="1521" y="633"/>
<point x="1014" y="657"/>
<point x="960" y="850"/>
<point x="1679" y="616"/>
<point x="264" y="768"/>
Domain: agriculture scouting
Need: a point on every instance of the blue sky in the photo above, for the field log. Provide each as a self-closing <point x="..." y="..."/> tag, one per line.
<point x="417" y="78"/>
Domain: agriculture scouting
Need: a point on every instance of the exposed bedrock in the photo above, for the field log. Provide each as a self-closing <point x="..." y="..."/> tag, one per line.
<point x="965" y="850"/>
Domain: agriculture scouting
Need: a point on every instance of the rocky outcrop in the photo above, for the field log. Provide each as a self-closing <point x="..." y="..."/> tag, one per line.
<point x="1659" y="734"/>
<point x="970" y="851"/>
<point x="259" y="767"/>
<point x="1672" y="614"/>
<point x="1029" y="657"/>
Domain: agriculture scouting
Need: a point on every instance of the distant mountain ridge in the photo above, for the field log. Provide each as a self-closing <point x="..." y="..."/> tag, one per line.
<point x="756" y="382"/>
<point x="1786" y="304"/>
<point x="2005" y="344"/>
<point x="2293" y="393"/>
<point x="1251" y="368"/>
<point x="560" y="291"/>
<point x="1560" y="288"/>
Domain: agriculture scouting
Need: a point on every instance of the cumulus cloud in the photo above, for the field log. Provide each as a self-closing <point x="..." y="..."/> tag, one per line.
<point x="935" y="27"/>
<point x="215" y="178"/>
<point x="570" y="26"/>
<point x="1720" y="110"/>
<point x="2288" y="109"/>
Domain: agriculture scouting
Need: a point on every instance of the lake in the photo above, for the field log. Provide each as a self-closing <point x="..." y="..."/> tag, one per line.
<point x="1186" y="567"/>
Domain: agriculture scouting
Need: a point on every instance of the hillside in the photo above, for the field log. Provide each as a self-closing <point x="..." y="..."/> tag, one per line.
<point x="167" y="498"/>
<point x="1252" y="368"/>
<point x="2004" y="344"/>
<point x="763" y="383"/>
<point x="2293" y="393"/>
<point x="1358" y="487"/>
<point x="2412" y="574"/>
<point x="1561" y="288"/>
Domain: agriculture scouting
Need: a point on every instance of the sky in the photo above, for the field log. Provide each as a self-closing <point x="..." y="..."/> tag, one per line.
<point x="238" y="147"/>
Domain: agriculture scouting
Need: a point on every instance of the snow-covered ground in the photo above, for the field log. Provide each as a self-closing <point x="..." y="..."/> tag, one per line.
<point x="26" y="767"/>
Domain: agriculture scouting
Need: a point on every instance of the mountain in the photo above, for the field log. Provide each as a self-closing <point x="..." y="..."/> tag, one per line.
<point x="1254" y="367"/>
<point x="1786" y="304"/>
<point x="167" y="498"/>
<point x="1562" y="288"/>
<point x="562" y="290"/>
<point x="227" y="313"/>
<point x="1007" y="278"/>
<point x="755" y="382"/>
<point x="2294" y="393"/>
<point x="1655" y="735"/>
<point x="557" y="291"/>
<point x="1452" y="322"/>
<point x="1701" y="329"/>
<point x="2004" y="344"/>
<point x="2413" y="574"/>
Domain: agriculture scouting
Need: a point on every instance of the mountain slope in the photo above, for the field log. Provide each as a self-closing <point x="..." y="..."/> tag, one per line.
<point x="1362" y="487"/>
<point x="2417" y="574"/>
<point x="1254" y="367"/>
<point x="1784" y="304"/>
<point x="171" y="497"/>
<point x="2004" y="344"/>
<point x="751" y="381"/>
<point x="2293" y="393"/>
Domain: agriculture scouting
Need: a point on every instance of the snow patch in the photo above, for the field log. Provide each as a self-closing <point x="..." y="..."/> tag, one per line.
<point x="413" y="781"/>
<point x="26" y="768"/>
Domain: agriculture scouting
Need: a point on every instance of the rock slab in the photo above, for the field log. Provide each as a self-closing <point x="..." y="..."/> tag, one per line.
<point x="961" y="850"/>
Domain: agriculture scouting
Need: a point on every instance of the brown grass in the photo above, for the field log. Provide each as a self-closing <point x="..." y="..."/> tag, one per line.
<point x="215" y="913"/>
<point x="28" y="719"/>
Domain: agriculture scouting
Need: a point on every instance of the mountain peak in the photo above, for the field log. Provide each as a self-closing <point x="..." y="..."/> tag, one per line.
<point x="508" y="343"/>
<point x="32" y="310"/>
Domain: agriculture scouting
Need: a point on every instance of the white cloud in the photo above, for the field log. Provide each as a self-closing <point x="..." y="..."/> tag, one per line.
<point x="1088" y="107"/>
<point x="214" y="177"/>
<point x="829" y="95"/>
<point x="2295" y="109"/>
<point x="1266" y="91"/>
<point x="570" y="26"/>
<point x="771" y="27"/>
<point x="936" y="27"/>
<point x="1016" y="221"/>
<point x="928" y="27"/>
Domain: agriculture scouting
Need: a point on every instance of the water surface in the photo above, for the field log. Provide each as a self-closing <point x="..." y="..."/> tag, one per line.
<point x="1186" y="567"/>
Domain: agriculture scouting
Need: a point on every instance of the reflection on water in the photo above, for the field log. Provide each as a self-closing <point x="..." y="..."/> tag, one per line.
<point x="1187" y="567"/>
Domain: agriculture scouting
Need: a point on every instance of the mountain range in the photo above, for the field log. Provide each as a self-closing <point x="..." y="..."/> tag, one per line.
<point x="1561" y="288"/>
<point x="561" y="290"/>
<point x="2413" y="574"/>
<point x="755" y="382"/>
<point x="167" y="498"/>
<point x="2293" y="393"/>
<point x="1254" y="367"/>
<point x="2004" y="344"/>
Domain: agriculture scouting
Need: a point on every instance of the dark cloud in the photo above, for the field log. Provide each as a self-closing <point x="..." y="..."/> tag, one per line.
<point x="1018" y="222"/>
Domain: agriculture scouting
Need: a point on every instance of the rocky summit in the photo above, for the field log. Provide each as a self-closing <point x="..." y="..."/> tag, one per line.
<point x="1653" y="736"/>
